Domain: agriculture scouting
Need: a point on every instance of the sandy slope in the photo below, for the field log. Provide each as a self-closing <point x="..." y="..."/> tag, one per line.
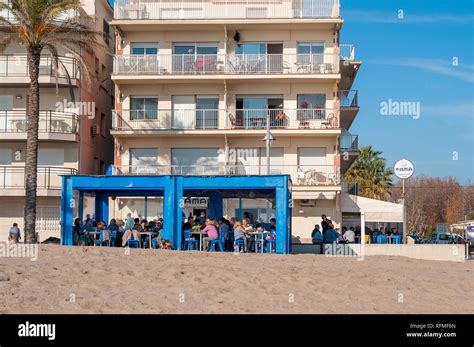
<point x="106" y="280"/>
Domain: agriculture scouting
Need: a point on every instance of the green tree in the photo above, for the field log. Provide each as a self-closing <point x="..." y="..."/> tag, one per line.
<point x="369" y="172"/>
<point x="48" y="26"/>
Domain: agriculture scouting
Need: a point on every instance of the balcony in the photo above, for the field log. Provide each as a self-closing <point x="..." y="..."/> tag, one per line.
<point x="236" y="65"/>
<point x="49" y="178"/>
<point x="225" y="9"/>
<point x="52" y="125"/>
<point x="301" y="175"/>
<point x="349" y="66"/>
<point x="349" y="149"/>
<point x="14" y="71"/>
<point x="349" y="100"/>
<point x="208" y="120"/>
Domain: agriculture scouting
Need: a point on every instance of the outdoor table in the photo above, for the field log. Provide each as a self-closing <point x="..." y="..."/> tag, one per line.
<point x="200" y="233"/>
<point x="262" y="241"/>
<point x="149" y="234"/>
<point x="94" y="234"/>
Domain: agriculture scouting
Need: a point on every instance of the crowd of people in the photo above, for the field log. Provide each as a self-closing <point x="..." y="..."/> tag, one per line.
<point x="119" y="233"/>
<point x="329" y="234"/>
<point x="229" y="230"/>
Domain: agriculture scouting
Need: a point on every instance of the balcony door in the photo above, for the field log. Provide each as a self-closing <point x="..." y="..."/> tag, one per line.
<point x="6" y="105"/>
<point x="195" y="112"/>
<point x="311" y="107"/>
<point x="310" y="54"/>
<point x="259" y="58"/>
<point x="5" y="167"/>
<point x="195" y="57"/>
<point x="252" y="110"/>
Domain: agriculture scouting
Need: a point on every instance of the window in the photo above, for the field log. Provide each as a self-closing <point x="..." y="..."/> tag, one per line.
<point x="311" y="157"/>
<point x="103" y="125"/>
<point x="143" y="160"/>
<point x="144" y="48"/>
<point x="311" y="106"/>
<point x="198" y="161"/>
<point x="195" y="57"/>
<point x="252" y="111"/>
<point x="106" y="31"/>
<point x="310" y="53"/>
<point x="143" y="108"/>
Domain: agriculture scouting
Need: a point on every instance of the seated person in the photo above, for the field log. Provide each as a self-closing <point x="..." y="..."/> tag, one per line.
<point x="130" y="235"/>
<point x="212" y="233"/>
<point x="248" y="229"/>
<point x="349" y="235"/>
<point x="331" y="235"/>
<point x="316" y="235"/>
<point x="240" y="234"/>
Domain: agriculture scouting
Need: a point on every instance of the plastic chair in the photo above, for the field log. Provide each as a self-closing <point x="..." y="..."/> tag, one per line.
<point x="101" y="241"/>
<point x="270" y="245"/>
<point x="241" y="244"/>
<point x="219" y="242"/>
<point x="189" y="243"/>
<point x="396" y="239"/>
<point x="113" y="237"/>
<point x="382" y="239"/>
<point x="132" y="243"/>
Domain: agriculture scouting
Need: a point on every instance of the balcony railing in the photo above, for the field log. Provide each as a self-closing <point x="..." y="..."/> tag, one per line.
<point x="17" y="66"/>
<point x="349" y="98"/>
<point x="347" y="52"/>
<point x="231" y="64"/>
<point x="68" y="15"/>
<point x="225" y="9"/>
<point x="322" y="118"/>
<point x="14" y="121"/>
<point x="13" y="177"/>
<point x="306" y="175"/>
<point x="349" y="143"/>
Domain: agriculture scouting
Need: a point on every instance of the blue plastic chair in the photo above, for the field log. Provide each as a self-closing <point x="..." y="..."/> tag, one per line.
<point x="113" y="237"/>
<point x="382" y="239"/>
<point x="101" y="241"/>
<point x="219" y="242"/>
<point x="241" y="244"/>
<point x="396" y="239"/>
<point x="188" y="242"/>
<point x="374" y="239"/>
<point x="270" y="246"/>
<point x="132" y="243"/>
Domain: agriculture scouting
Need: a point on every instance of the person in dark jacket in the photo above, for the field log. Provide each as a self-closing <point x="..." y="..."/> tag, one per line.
<point x="227" y="234"/>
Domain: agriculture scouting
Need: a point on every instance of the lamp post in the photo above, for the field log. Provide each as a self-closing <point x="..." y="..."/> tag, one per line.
<point x="268" y="143"/>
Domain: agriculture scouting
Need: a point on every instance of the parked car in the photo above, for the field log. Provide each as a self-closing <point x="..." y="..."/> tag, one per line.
<point x="445" y="237"/>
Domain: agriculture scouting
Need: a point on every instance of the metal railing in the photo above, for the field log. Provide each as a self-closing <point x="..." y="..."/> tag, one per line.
<point x="14" y="121"/>
<point x="347" y="52"/>
<point x="321" y="118"/>
<point x="225" y="9"/>
<point x="349" y="98"/>
<point x="306" y="175"/>
<point x="17" y="66"/>
<point x="349" y="143"/>
<point x="230" y="64"/>
<point x="13" y="177"/>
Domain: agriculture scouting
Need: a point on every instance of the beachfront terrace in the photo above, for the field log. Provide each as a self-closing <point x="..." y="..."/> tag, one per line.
<point x="49" y="177"/>
<point x="225" y="9"/>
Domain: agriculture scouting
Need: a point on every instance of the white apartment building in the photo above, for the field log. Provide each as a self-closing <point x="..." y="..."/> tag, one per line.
<point x="75" y="118"/>
<point x="197" y="83"/>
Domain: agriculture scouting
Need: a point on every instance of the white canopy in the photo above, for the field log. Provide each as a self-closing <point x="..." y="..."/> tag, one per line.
<point x="375" y="210"/>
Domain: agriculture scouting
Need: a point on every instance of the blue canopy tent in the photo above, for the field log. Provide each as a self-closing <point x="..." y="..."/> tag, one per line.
<point x="174" y="189"/>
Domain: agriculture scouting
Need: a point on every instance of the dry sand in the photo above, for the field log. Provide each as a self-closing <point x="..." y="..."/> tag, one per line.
<point x="106" y="280"/>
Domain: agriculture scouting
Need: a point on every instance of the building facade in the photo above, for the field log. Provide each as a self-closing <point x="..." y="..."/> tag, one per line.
<point x="199" y="83"/>
<point x="74" y="125"/>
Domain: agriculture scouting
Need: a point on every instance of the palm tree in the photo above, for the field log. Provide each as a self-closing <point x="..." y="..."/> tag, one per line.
<point x="44" y="25"/>
<point x="369" y="172"/>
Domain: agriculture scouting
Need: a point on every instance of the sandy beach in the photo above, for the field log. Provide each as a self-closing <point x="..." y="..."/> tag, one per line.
<point x="107" y="280"/>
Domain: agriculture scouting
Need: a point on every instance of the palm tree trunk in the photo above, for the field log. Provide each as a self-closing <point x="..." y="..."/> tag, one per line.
<point x="31" y="161"/>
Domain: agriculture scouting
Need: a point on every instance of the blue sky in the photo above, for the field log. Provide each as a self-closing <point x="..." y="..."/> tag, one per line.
<point x="411" y="59"/>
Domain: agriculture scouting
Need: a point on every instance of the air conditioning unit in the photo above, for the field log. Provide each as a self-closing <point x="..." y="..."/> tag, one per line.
<point x="307" y="202"/>
<point x="95" y="130"/>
